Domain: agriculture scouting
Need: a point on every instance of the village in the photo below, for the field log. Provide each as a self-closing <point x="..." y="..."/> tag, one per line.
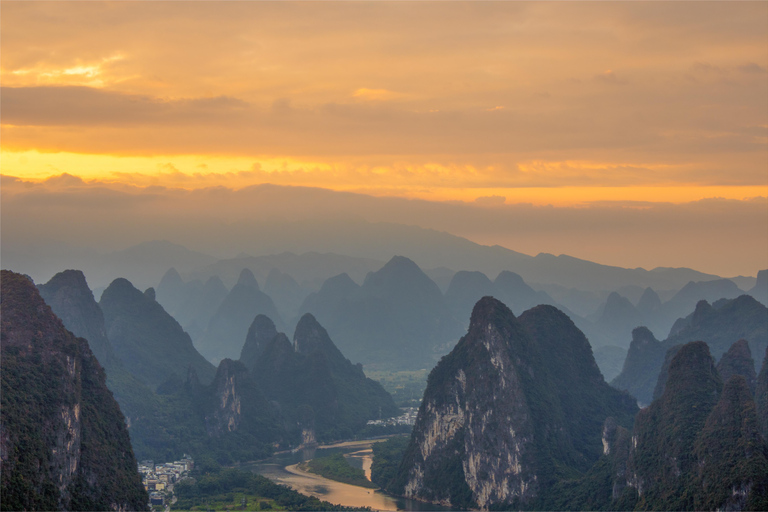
<point x="407" y="418"/>
<point x="159" y="479"/>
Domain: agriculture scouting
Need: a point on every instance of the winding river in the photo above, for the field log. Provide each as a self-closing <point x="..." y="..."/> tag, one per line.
<point x="283" y="469"/>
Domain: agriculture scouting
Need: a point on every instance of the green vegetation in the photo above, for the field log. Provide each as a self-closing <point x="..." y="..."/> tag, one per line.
<point x="58" y="413"/>
<point x="229" y="489"/>
<point x="386" y="460"/>
<point x="694" y="448"/>
<point x="336" y="467"/>
<point x="406" y="387"/>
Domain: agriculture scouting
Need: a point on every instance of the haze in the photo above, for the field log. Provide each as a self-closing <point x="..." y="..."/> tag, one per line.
<point x="631" y="134"/>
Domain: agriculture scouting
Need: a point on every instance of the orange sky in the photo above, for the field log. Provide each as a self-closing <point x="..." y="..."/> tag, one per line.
<point x="546" y="103"/>
<point x="435" y="100"/>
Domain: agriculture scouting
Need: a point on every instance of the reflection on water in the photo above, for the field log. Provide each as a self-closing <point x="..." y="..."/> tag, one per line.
<point x="361" y="459"/>
<point x="282" y="468"/>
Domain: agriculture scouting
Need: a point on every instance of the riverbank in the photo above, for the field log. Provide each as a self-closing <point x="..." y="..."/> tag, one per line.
<point x="333" y="491"/>
<point x="345" y="468"/>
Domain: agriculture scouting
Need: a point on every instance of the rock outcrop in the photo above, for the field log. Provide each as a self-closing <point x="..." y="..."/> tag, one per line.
<point x="497" y="427"/>
<point x="320" y="393"/>
<point x="64" y="444"/>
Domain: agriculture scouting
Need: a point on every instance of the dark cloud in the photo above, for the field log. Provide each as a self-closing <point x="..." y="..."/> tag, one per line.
<point x="73" y="106"/>
<point x="751" y="67"/>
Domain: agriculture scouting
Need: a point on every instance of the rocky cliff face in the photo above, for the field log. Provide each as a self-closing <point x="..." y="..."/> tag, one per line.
<point x="235" y="403"/>
<point x="492" y="429"/>
<point x="63" y="441"/>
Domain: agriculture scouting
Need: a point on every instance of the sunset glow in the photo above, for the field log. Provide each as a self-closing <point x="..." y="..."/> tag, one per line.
<point x="503" y="103"/>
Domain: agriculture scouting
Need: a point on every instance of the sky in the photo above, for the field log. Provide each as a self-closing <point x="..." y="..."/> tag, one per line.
<point x="547" y="115"/>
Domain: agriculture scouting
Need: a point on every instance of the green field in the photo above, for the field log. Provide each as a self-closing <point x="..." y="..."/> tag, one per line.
<point x="233" y="489"/>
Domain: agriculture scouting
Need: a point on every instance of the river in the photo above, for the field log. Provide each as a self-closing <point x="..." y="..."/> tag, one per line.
<point x="282" y="468"/>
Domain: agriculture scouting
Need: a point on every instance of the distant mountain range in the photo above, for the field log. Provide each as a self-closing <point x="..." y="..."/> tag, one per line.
<point x="175" y="401"/>
<point x="720" y="325"/>
<point x="318" y="251"/>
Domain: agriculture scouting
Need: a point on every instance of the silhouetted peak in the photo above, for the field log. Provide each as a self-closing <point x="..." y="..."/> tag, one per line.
<point x="738" y="361"/>
<point x="691" y="371"/>
<point x="399" y="268"/>
<point x="400" y="263"/>
<point x="247" y="279"/>
<point x="262" y="328"/>
<point x="215" y="284"/>
<point x="744" y="301"/>
<point x="226" y="366"/>
<point x="643" y="336"/>
<point x="617" y="302"/>
<point x="566" y="347"/>
<point x="703" y="310"/>
<point x="310" y="336"/>
<point x="150" y="293"/>
<point x="509" y="279"/>
<point x="469" y="280"/>
<point x="341" y="284"/>
<point x="171" y="279"/>
<point x="487" y="312"/>
<point x="227" y="371"/>
<point x="67" y="278"/>
<point x="20" y="292"/>
<point x="260" y="334"/>
<point x="649" y="301"/>
<point x="120" y="289"/>
<point x="739" y="350"/>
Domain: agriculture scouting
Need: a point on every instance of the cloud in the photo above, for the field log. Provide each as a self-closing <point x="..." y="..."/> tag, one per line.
<point x="376" y="94"/>
<point x="65" y="180"/>
<point x="390" y="95"/>
<point x="752" y="68"/>
<point x="609" y="77"/>
<point x="88" y="106"/>
<point x="491" y="200"/>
